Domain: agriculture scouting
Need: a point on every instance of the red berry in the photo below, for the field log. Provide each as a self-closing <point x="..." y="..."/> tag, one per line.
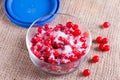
<point x="47" y="54"/>
<point x="101" y="47"/>
<point x="61" y="38"/>
<point x="84" y="45"/>
<point x="66" y="42"/>
<point x="105" y="40"/>
<point x="83" y="52"/>
<point x="55" y="68"/>
<point x="63" y="56"/>
<point x="67" y="31"/>
<point x="86" y="34"/>
<point x="48" y="48"/>
<point x="52" y="61"/>
<point x="47" y="42"/>
<point x="40" y="29"/>
<point x="82" y="39"/>
<point x="76" y="33"/>
<point x="69" y="24"/>
<point x="46" y="26"/>
<point x="99" y="39"/>
<point x="78" y="54"/>
<point x="56" y="53"/>
<point x="73" y="58"/>
<point x="95" y="59"/>
<point x="75" y="27"/>
<point x="37" y="54"/>
<point x="52" y="37"/>
<point x="86" y="72"/>
<point x="39" y="47"/>
<point x="106" y="24"/>
<point x="33" y="48"/>
<point x="106" y="48"/>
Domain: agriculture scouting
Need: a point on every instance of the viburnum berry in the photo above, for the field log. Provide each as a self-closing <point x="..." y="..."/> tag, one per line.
<point x="86" y="72"/>
<point x="84" y="45"/>
<point x="37" y="54"/>
<point x="101" y="47"/>
<point x="76" y="33"/>
<point x="46" y="26"/>
<point x="86" y="34"/>
<point x="47" y="42"/>
<point x="82" y="39"/>
<point x="56" y="53"/>
<point x="73" y="58"/>
<point x="83" y="52"/>
<point x="52" y="61"/>
<point x="99" y="39"/>
<point x="75" y="27"/>
<point x="52" y="37"/>
<point x="105" y="40"/>
<point x="95" y="59"/>
<point x="106" y="25"/>
<point x="106" y="48"/>
<point x="40" y="29"/>
<point x="69" y="24"/>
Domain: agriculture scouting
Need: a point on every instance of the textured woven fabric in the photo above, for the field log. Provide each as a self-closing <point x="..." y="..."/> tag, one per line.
<point x="15" y="63"/>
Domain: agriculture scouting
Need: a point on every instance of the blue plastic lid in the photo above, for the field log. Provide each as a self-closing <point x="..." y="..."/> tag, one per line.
<point x="24" y="12"/>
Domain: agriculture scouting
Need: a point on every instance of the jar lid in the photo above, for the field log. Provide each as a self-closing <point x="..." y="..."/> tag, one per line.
<point x="24" y="12"/>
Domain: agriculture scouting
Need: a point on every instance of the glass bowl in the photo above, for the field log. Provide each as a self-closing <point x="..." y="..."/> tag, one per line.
<point x="55" y="68"/>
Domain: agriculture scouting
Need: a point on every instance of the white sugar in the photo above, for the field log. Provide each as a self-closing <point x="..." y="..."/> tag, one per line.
<point x="58" y="34"/>
<point x="68" y="49"/>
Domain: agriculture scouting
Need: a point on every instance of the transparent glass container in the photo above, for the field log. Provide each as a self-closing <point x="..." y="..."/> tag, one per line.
<point x="55" y="68"/>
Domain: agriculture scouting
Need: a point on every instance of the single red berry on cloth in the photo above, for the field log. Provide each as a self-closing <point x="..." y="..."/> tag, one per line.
<point x="86" y="72"/>
<point x="105" y="40"/>
<point x="106" y="24"/>
<point x="99" y="39"/>
<point x="95" y="59"/>
<point x="101" y="47"/>
<point x="69" y="24"/>
<point x="106" y="48"/>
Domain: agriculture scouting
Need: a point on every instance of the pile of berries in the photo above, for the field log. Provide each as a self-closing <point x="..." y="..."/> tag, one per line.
<point x="103" y="46"/>
<point x="60" y="44"/>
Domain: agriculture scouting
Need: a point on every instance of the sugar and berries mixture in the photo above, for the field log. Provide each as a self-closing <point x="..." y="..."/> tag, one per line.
<point x="59" y="44"/>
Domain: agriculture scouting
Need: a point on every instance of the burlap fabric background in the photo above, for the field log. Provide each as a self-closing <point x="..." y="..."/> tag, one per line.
<point x="16" y="65"/>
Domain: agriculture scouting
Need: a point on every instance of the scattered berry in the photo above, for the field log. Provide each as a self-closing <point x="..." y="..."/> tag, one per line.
<point x="106" y="24"/>
<point x="101" y="47"/>
<point x="105" y="40"/>
<point x="95" y="59"/>
<point x="86" y="72"/>
<point x="106" y="48"/>
<point x="99" y="39"/>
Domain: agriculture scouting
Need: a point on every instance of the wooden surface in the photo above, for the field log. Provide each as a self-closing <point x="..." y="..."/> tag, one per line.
<point x="16" y="65"/>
